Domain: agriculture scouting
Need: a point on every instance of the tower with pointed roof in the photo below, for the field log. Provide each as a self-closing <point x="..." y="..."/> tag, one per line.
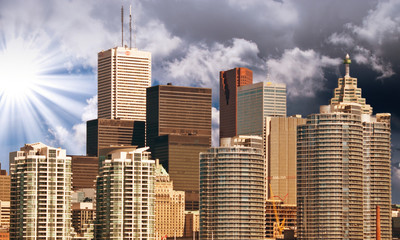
<point x="343" y="168"/>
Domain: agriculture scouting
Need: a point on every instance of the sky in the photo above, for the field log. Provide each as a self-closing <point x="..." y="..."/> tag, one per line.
<point x="48" y="57"/>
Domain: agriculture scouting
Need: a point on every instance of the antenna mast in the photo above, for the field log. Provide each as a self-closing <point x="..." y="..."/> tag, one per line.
<point x="130" y="26"/>
<point x="122" y="25"/>
<point x="134" y="29"/>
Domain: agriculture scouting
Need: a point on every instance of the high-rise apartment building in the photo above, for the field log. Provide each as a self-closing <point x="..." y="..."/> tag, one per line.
<point x="125" y="194"/>
<point x="232" y="190"/>
<point x="343" y="169"/>
<point x="229" y="82"/>
<point x="84" y="171"/>
<point x="103" y="133"/>
<point x="256" y="101"/>
<point x="178" y="129"/>
<point x="123" y="76"/>
<point x="169" y="206"/>
<point x="40" y="193"/>
<point x="4" y="220"/>
<point x="4" y="185"/>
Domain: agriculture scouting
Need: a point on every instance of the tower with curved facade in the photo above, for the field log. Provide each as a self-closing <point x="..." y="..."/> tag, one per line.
<point x="343" y="168"/>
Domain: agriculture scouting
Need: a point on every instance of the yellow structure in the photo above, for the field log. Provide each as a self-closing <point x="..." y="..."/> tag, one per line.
<point x="169" y="206"/>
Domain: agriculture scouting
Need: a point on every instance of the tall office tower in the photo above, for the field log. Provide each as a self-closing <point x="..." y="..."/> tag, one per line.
<point x="125" y="194"/>
<point x="103" y="133"/>
<point x="40" y="193"/>
<point x="229" y="82"/>
<point x="83" y="215"/>
<point x="343" y="169"/>
<point x="256" y="101"/>
<point x="4" y="185"/>
<point x="84" y="171"/>
<point x="123" y="76"/>
<point x="178" y="129"/>
<point x="169" y="206"/>
<point x="280" y="136"/>
<point x="232" y="190"/>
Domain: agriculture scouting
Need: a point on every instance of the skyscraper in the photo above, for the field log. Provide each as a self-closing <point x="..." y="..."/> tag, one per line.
<point x="256" y="101"/>
<point x="41" y="193"/>
<point x="4" y="185"/>
<point x="232" y="190"/>
<point x="169" y="206"/>
<point x="125" y="194"/>
<point x="343" y="168"/>
<point x="84" y="171"/>
<point x="178" y="129"/>
<point x="103" y="133"/>
<point x="229" y="82"/>
<point x="123" y="76"/>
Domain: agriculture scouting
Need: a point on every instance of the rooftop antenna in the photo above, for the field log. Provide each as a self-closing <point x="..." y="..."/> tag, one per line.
<point x="122" y="25"/>
<point x="134" y="29"/>
<point x="130" y="26"/>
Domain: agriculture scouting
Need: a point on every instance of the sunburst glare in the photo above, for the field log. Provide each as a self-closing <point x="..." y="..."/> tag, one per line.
<point x="38" y="92"/>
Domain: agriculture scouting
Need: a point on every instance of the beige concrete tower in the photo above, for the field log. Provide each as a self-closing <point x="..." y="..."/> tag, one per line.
<point x="123" y="76"/>
<point x="40" y="193"/>
<point x="343" y="169"/>
<point x="169" y="207"/>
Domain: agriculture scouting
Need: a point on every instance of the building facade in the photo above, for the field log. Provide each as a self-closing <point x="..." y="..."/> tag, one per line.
<point x="232" y="190"/>
<point x="4" y="220"/>
<point x="343" y="169"/>
<point x="123" y="76"/>
<point x="83" y="216"/>
<point x="169" y="206"/>
<point x="229" y="82"/>
<point x="178" y="129"/>
<point x="84" y="171"/>
<point x="4" y="185"/>
<point x="256" y="101"/>
<point x="103" y="133"/>
<point x="40" y="193"/>
<point x="125" y="194"/>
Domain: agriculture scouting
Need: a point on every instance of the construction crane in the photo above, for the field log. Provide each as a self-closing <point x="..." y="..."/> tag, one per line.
<point x="278" y="226"/>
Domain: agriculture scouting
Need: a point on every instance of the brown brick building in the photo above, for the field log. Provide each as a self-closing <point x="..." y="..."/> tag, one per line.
<point x="229" y="82"/>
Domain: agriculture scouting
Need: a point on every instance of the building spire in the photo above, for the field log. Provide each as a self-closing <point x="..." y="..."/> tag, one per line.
<point x="347" y="62"/>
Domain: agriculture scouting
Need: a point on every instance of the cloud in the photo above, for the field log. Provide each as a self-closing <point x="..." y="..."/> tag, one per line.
<point x="202" y="63"/>
<point x="364" y="56"/>
<point x="341" y="39"/>
<point x="301" y="70"/>
<point x="381" y="24"/>
<point x="215" y="127"/>
<point x="74" y="139"/>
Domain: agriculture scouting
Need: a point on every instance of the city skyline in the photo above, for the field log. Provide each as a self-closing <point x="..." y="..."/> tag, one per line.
<point x="296" y="51"/>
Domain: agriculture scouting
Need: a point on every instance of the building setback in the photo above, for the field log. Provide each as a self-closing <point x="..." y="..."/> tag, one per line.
<point x="343" y="169"/>
<point x="178" y="128"/>
<point x="125" y="194"/>
<point x="229" y="82"/>
<point x="232" y="190"/>
<point x="40" y="193"/>
<point x="103" y="133"/>
<point x="123" y="76"/>
<point x="169" y="206"/>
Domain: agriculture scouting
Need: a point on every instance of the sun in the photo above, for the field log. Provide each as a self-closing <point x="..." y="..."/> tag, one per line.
<point x="19" y="71"/>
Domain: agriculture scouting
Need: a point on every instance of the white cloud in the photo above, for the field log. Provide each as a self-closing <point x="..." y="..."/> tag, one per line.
<point x="381" y="24"/>
<point x="301" y="70"/>
<point x="74" y="139"/>
<point x="364" y="56"/>
<point x="341" y="39"/>
<point x="215" y="127"/>
<point x="201" y="64"/>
